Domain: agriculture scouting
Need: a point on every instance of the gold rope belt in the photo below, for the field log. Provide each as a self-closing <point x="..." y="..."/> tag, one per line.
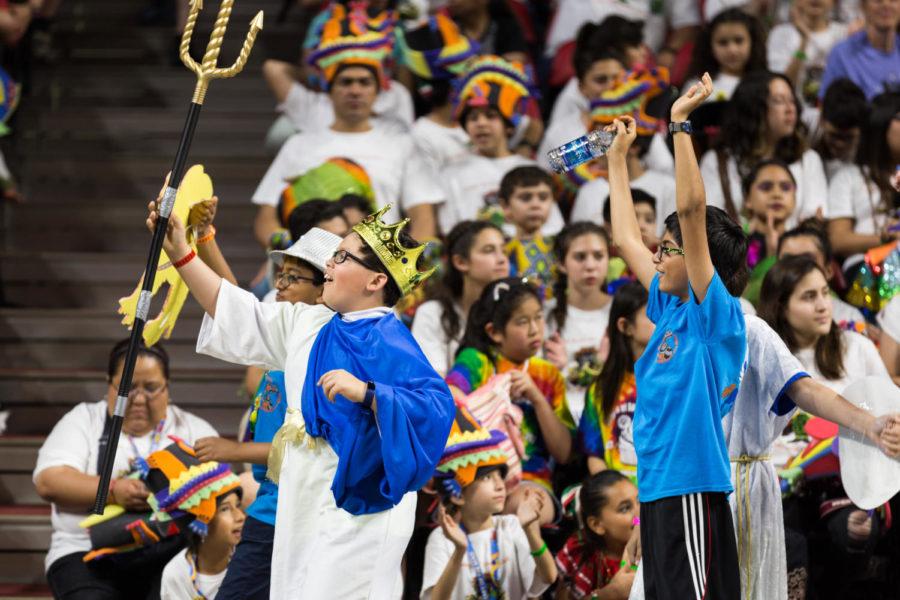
<point x="742" y="495"/>
<point x="292" y="432"/>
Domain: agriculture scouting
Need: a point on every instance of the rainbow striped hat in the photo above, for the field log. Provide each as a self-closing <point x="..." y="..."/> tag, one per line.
<point x="493" y="81"/>
<point x="469" y="447"/>
<point x="331" y="180"/>
<point x="436" y="49"/>
<point x="181" y="485"/>
<point x="630" y="97"/>
<point x="354" y="38"/>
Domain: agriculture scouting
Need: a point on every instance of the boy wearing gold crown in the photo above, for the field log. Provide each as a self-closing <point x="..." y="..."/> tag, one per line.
<point x="367" y="415"/>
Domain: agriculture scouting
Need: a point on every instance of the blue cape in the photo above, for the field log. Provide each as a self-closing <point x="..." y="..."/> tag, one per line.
<point x="379" y="458"/>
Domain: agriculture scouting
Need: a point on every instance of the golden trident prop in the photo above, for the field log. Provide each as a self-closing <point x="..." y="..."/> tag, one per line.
<point x="206" y="71"/>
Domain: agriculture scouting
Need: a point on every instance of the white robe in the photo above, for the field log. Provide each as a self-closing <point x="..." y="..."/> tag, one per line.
<point x="320" y="550"/>
<point x="750" y="429"/>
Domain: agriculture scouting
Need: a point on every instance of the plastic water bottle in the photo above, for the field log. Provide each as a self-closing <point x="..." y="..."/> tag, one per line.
<point x="589" y="146"/>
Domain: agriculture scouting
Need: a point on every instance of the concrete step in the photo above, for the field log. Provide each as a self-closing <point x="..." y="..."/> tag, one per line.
<point x="25" y="528"/>
<point x="21" y="569"/>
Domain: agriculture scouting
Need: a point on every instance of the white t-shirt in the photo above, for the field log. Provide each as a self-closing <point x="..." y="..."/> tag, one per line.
<point x="584" y="329"/>
<point x="889" y="319"/>
<point x="572" y="14"/>
<point x="74" y="442"/>
<point x="176" y="581"/>
<point x="570" y="101"/>
<point x="852" y="196"/>
<point x="429" y="333"/>
<point x="861" y="359"/>
<point x="592" y="195"/>
<point x="812" y="187"/>
<point x="784" y="41"/>
<point x="439" y="146"/>
<point x="519" y="576"/>
<point x="473" y="183"/>
<point x="396" y="170"/>
<point x="309" y="110"/>
<point x="842" y="312"/>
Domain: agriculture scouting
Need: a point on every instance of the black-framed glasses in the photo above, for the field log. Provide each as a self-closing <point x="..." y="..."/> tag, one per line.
<point x="668" y="251"/>
<point x="289" y="279"/>
<point x="150" y="390"/>
<point x="342" y="255"/>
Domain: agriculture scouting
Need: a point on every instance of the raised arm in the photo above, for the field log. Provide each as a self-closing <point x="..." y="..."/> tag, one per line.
<point x="625" y="229"/>
<point x="690" y="197"/>
<point x="201" y="217"/>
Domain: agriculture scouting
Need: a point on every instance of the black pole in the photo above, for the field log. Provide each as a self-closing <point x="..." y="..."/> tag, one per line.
<point x="143" y="306"/>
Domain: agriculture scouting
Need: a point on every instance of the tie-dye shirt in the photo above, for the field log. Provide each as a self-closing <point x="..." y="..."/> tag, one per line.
<point x="473" y="368"/>
<point x="610" y="437"/>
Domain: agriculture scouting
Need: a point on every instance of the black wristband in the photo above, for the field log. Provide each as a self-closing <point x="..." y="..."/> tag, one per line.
<point x="370" y="395"/>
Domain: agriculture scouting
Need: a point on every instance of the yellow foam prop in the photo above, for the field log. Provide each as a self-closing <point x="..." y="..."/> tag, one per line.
<point x="110" y="512"/>
<point x="195" y="187"/>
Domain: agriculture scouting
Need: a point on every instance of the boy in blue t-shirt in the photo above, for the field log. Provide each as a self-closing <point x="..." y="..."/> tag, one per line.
<point x="688" y="377"/>
<point x="301" y="277"/>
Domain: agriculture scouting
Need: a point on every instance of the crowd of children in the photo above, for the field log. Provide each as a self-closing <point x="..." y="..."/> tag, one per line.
<point x="585" y="403"/>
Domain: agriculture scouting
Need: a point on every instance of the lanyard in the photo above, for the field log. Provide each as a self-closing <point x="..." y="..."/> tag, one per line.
<point x="485" y="591"/>
<point x="192" y="566"/>
<point x="139" y="461"/>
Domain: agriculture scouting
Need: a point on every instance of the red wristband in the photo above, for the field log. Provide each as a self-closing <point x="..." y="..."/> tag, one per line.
<point x="183" y="261"/>
<point x="111" y="497"/>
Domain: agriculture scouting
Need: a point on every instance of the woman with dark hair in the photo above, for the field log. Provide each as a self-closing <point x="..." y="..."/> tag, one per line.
<point x="66" y="475"/>
<point x="475" y="257"/>
<point x="795" y="301"/>
<point x="862" y="204"/>
<point x="762" y="122"/>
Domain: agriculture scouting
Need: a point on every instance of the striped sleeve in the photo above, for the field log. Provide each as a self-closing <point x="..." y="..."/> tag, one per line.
<point x="471" y="369"/>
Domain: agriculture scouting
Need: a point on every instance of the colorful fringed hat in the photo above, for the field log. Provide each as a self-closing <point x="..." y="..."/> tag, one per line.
<point x="384" y="240"/>
<point x="469" y="447"/>
<point x="436" y="49"/>
<point x="353" y="38"/>
<point x="331" y="180"/>
<point x="630" y="97"/>
<point x="182" y="486"/>
<point x="493" y="81"/>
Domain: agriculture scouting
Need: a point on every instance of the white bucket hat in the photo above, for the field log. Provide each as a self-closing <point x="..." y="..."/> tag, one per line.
<point x="316" y="246"/>
<point x="870" y="477"/>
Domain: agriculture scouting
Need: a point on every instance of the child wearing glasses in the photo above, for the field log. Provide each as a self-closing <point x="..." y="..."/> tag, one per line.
<point x="367" y="416"/>
<point x="688" y="377"/>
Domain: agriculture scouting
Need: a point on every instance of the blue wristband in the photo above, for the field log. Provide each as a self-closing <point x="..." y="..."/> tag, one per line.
<point x="370" y="395"/>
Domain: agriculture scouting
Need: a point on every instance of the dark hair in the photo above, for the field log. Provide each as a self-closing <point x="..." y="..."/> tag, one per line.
<point x="727" y="247"/>
<point x="777" y="287"/>
<point x="592" y="497"/>
<point x="844" y="104"/>
<point x="526" y="176"/>
<point x="391" y="291"/>
<point x="360" y="203"/>
<point x="703" y="59"/>
<point x="626" y="303"/>
<point x="118" y="352"/>
<point x="874" y="155"/>
<point x="311" y="213"/>
<point x="638" y="196"/>
<point x="592" y="46"/>
<point x="346" y="65"/>
<point x="449" y="290"/>
<point x="809" y="228"/>
<point x="561" y="246"/>
<point x="750" y="178"/>
<point x="510" y="292"/>
<point x="745" y="121"/>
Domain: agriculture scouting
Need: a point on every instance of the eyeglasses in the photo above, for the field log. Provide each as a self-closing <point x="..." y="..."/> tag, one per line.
<point x="150" y="390"/>
<point x="768" y="186"/>
<point x="668" y="251"/>
<point x="289" y="279"/>
<point x="341" y="256"/>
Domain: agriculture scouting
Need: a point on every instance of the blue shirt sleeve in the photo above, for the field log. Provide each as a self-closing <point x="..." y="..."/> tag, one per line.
<point x="834" y="68"/>
<point x="719" y="315"/>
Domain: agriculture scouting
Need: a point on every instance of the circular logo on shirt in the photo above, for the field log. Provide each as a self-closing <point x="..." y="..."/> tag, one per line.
<point x="667" y="348"/>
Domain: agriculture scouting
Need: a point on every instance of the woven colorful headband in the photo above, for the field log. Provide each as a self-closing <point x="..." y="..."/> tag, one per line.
<point x="630" y="97"/>
<point x="493" y="81"/>
<point x="470" y="447"/>
<point x="436" y="49"/>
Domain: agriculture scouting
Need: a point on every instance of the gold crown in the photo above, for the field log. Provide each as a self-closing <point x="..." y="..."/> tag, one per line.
<point x="384" y="240"/>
